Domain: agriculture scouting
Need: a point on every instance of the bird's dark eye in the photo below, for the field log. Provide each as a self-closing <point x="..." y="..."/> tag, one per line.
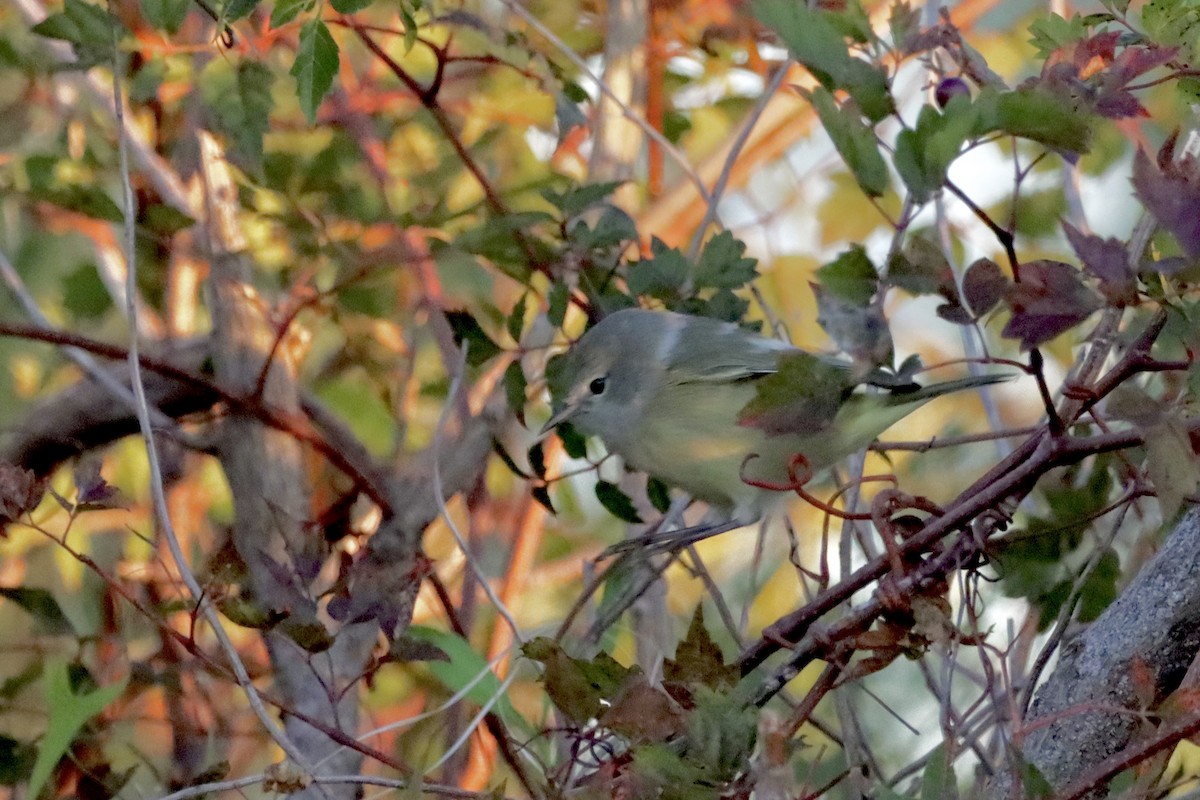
<point x="598" y="384"/>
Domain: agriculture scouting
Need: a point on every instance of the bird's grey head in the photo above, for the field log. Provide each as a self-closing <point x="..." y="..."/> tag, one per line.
<point x="612" y="371"/>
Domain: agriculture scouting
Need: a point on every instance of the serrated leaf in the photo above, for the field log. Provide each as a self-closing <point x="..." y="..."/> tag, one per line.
<point x="859" y="329"/>
<point x="83" y="25"/>
<point x="924" y="153"/>
<point x="616" y="502"/>
<point x="1172" y="198"/>
<point x="722" y="264"/>
<point x="580" y="198"/>
<point x="817" y="42"/>
<point x="579" y="688"/>
<point x="315" y="65"/>
<point x="661" y="276"/>
<point x="855" y="142"/>
<point x="698" y="659"/>
<point x="287" y="10"/>
<point x="1107" y="260"/>
<point x="851" y="276"/>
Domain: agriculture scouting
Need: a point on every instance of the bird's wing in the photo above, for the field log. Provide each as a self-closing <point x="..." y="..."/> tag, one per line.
<point x="719" y="352"/>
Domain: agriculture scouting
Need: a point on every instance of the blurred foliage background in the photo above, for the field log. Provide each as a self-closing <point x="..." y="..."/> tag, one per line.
<point x="349" y="236"/>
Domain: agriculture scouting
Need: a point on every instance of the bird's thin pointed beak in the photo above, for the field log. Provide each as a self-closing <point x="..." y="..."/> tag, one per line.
<point x="560" y="416"/>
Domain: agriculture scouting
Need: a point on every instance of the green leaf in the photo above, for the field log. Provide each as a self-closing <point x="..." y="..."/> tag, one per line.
<point x="1052" y="32"/>
<point x="90" y="28"/>
<point x="851" y="276"/>
<point x="721" y="264"/>
<point x="802" y="397"/>
<point x="855" y="142"/>
<point x="574" y="443"/>
<point x="356" y="401"/>
<point x="557" y="300"/>
<point x="924" y="153"/>
<point x="16" y="761"/>
<point x="938" y="781"/>
<point x="88" y="200"/>
<point x="921" y="268"/>
<point x="316" y="64"/>
<point x="537" y="459"/>
<point x="1100" y="589"/>
<point x="699" y="661"/>
<point x="616" y="502"/>
<point x="514" y="389"/>
<point x="516" y="319"/>
<point x="237" y="9"/>
<point x="69" y="712"/>
<point x="42" y="606"/>
<point x="349" y="6"/>
<point x="816" y="41"/>
<point x="84" y="294"/>
<point x="661" y="276"/>
<point x="480" y="347"/>
<point x="466" y="667"/>
<point x="287" y="10"/>
<point x="580" y="198"/>
<point x="240" y="99"/>
<point x="410" y="24"/>
<point x="166" y="15"/>
<point x="659" y="495"/>
<point x="167" y="220"/>
<point x="1035" y="114"/>
<point x="576" y="686"/>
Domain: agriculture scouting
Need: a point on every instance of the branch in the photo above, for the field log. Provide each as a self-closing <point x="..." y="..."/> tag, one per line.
<point x="1123" y="664"/>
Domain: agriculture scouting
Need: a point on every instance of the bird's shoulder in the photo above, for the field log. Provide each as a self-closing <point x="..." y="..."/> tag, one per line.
<point x="711" y="351"/>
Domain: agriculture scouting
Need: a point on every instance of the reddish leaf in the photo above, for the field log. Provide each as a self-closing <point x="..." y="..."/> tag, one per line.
<point x="1049" y="300"/>
<point x="983" y="285"/>
<point x="1108" y="260"/>
<point x="1119" y="104"/>
<point x="1172" y="198"/>
<point x="643" y="713"/>
<point x="1135" y="61"/>
<point x="20" y="491"/>
<point x="1095" y="53"/>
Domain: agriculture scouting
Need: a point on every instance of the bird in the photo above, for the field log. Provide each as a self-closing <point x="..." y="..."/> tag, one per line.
<point x="666" y="392"/>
